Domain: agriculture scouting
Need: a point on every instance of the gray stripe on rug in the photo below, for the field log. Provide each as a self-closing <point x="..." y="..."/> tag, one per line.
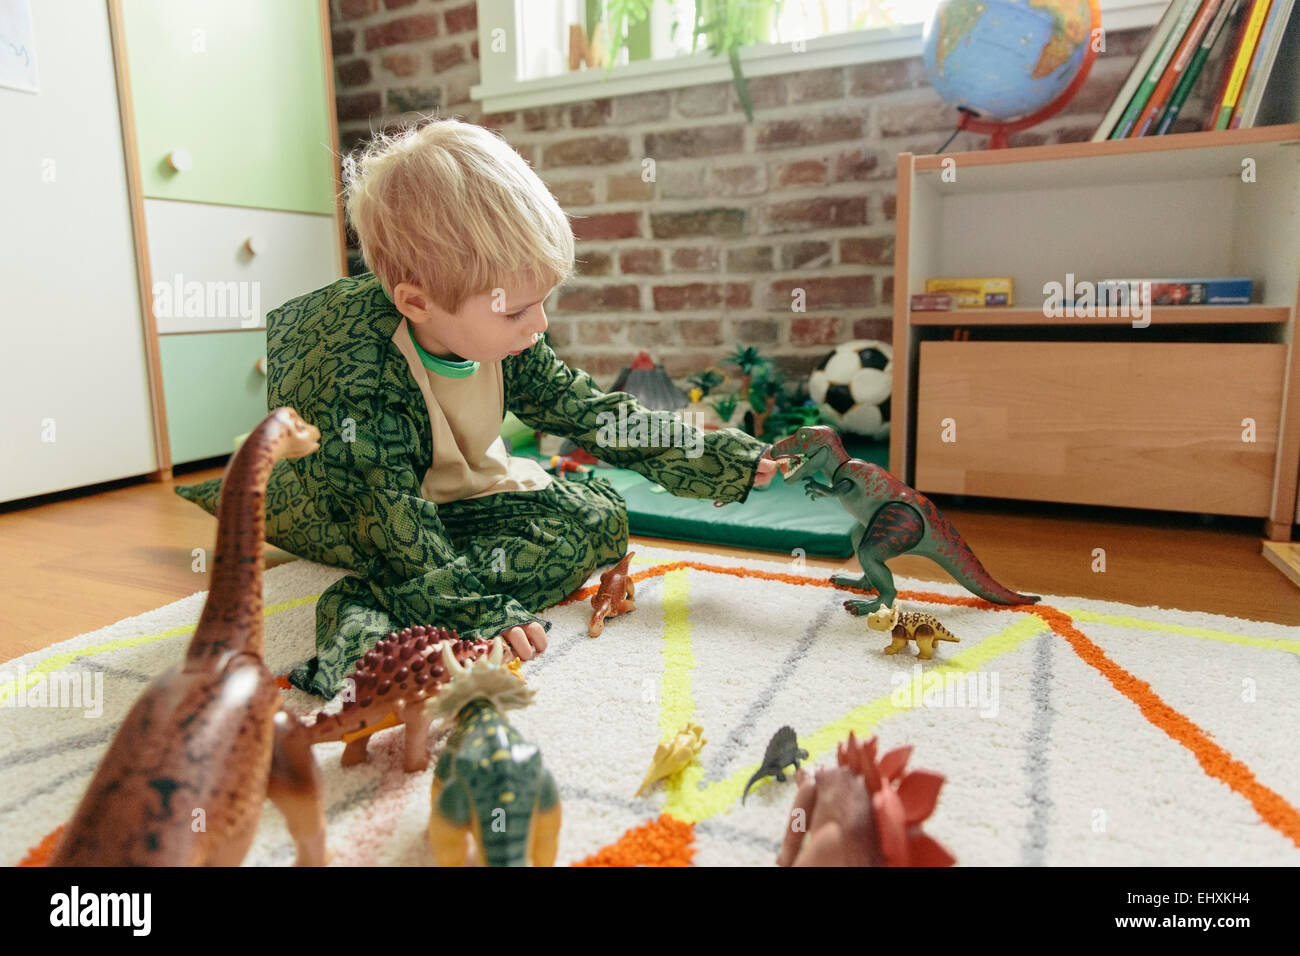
<point x="713" y="827"/>
<point x="108" y="671"/>
<point x="743" y="733"/>
<point x="48" y="786"/>
<point x="1033" y="852"/>
<point x="79" y="742"/>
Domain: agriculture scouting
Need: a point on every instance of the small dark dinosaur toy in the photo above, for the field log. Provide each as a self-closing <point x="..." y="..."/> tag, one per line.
<point x="893" y="520"/>
<point x="185" y="778"/>
<point x="782" y="750"/>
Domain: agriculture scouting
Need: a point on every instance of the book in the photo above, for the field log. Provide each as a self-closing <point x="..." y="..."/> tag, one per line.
<point x="1240" y="63"/>
<point x="937" y="302"/>
<point x="1190" y="75"/>
<point x="1285" y="556"/>
<point x="1140" y="69"/>
<point x="1186" y="11"/>
<point x="974" y="293"/>
<point x="1261" y="67"/>
<point x="1151" y="113"/>
<point x="1232" y="290"/>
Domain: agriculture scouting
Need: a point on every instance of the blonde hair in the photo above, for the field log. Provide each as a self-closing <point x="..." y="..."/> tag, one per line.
<point x="452" y="208"/>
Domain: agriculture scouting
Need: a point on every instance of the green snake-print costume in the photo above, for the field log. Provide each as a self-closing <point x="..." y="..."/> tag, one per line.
<point x="477" y="565"/>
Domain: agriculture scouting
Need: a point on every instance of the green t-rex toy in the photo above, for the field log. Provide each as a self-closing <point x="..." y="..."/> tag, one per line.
<point x="893" y="519"/>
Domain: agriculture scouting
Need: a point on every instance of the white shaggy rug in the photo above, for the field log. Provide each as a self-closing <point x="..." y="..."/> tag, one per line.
<point x="1071" y="732"/>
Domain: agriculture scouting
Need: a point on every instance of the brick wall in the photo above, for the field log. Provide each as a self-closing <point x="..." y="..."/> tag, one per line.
<point x="706" y="256"/>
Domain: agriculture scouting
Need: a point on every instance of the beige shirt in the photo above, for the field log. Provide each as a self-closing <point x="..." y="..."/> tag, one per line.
<point x="469" y="454"/>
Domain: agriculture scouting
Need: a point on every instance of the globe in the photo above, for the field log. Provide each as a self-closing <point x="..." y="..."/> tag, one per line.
<point x="1006" y="59"/>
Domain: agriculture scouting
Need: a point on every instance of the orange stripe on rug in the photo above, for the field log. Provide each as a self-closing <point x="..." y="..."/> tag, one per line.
<point x="666" y="841"/>
<point x="39" y="855"/>
<point x="1272" y="807"/>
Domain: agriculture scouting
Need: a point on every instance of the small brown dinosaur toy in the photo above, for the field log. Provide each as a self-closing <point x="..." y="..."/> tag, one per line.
<point x="919" y="626"/>
<point x="863" y="813"/>
<point x="391" y="684"/>
<point x="185" y="778"/>
<point x="614" y="596"/>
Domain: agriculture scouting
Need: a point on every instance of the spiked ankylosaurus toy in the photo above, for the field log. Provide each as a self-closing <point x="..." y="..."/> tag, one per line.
<point x="893" y="520"/>
<point x="392" y="683"/>
<point x="185" y="778"/>
<point x="490" y="786"/>
<point x="919" y="626"/>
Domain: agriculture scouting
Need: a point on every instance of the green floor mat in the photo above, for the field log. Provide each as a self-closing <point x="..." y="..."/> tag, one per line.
<point x="780" y="517"/>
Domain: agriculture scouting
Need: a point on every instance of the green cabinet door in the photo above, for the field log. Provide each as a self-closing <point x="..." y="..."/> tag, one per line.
<point x="238" y="86"/>
<point x="213" y="389"/>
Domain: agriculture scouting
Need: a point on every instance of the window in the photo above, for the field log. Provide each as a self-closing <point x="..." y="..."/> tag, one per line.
<point x="524" y="44"/>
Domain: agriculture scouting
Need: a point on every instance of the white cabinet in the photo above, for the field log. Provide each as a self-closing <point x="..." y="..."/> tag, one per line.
<point x="221" y="268"/>
<point x="75" y="388"/>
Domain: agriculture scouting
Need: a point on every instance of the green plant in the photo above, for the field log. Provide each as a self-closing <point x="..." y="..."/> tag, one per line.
<point x="725" y="26"/>
<point x="728" y="25"/>
<point x="725" y="405"/>
<point x="707" y="380"/>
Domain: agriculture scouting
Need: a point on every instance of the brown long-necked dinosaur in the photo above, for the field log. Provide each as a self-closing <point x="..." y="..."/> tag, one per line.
<point x="184" y="781"/>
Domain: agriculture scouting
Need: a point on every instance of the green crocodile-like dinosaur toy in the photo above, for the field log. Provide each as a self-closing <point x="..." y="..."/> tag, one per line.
<point x="490" y="785"/>
<point x="893" y="519"/>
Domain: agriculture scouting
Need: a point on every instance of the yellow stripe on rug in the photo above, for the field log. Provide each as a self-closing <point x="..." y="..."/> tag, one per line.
<point x="689" y="802"/>
<point x="1209" y="634"/>
<point x="52" y="663"/>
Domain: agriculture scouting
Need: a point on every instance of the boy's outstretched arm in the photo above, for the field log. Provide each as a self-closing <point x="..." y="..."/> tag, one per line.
<point x="548" y="395"/>
<point x="408" y="560"/>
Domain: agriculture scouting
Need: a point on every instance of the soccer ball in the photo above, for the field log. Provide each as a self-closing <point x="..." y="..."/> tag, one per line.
<point x="852" y="387"/>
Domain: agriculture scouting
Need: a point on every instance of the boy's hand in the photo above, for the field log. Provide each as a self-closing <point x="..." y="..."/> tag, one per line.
<point x="523" y="639"/>
<point x="767" y="467"/>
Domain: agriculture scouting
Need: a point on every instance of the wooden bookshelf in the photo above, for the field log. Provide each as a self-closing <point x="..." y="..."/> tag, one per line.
<point x="1160" y="315"/>
<point x="1197" y="412"/>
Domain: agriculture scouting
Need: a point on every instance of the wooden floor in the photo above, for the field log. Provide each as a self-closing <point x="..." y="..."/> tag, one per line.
<point x="74" y="565"/>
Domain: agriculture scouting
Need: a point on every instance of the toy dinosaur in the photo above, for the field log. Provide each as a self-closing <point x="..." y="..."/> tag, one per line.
<point x="782" y="750"/>
<point x="614" y="596"/>
<point x="673" y="755"/>
<point x="185" y="777"/>
<point x="893" y="520"/>
<point x="863" y="813"/>
<point x="919" y="626"/>
<point x="490" y="787"/>
<point x="391" y="684"/>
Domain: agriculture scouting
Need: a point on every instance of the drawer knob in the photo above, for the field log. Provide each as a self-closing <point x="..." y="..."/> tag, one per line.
<point x="260" y="365"/>
<point x="180" y="159"/>
<point x="255" y="245"/>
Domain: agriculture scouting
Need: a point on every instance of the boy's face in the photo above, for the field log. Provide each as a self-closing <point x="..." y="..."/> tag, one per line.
<point x="487" y="328"/>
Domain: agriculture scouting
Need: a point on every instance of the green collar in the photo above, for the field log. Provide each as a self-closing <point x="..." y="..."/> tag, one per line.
<point x="462" y="369"/>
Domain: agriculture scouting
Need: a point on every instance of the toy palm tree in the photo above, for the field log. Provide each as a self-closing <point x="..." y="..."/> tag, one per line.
<point x="748" y="359"/>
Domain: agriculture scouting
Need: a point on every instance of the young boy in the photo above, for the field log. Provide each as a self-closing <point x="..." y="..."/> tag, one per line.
<point x="408" y="371"/>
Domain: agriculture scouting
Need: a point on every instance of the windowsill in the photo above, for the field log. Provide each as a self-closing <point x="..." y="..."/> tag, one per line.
<point x="840" y="49"/>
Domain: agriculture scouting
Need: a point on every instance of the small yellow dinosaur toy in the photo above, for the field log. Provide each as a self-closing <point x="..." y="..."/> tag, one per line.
<point x="672" y="755"/>
<point x="919" y="626"/>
